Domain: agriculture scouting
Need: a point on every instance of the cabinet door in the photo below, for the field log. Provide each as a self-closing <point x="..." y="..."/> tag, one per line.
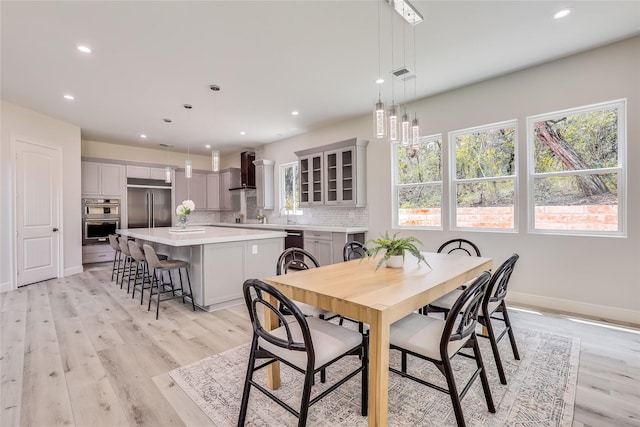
<point x="264" y="184"/>
<point x="311" y="180"/>
<point x="157" y="173"/>
<point x="229" y="200"/>
<point x="90" y="178"/>
<point x="199" y="190"/>
<point x="137" y="171"/>
<point x="320" y="245"/>
<point x="347" y="176"/>
<point x="213" y="191"/>
<point x="333" y="192"/>
<point x="111" y="179"/>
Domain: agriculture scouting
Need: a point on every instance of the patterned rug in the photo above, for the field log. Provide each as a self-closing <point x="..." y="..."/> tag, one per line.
<point x="540" y="391"/>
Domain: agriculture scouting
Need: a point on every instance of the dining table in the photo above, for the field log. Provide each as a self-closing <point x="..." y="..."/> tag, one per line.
<point x="378" y="297"/>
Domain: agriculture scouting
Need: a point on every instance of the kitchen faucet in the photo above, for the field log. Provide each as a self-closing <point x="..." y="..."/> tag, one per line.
<point x="286" y="212"/>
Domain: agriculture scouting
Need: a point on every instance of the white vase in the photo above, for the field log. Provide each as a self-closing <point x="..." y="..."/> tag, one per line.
<point x="395" y="261"/>
<point x="183" y="222"/>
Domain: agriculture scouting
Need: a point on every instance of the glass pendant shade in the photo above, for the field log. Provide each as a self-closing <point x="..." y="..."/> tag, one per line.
<point x="215" y="160"/>
<point x="167" y="175"/>
<point x="415" y="134"/>
<point x="405" y="130"/>
<point x="187" y="168"/>
<point x="393" y="124"/>
<point x="379" y="120"/>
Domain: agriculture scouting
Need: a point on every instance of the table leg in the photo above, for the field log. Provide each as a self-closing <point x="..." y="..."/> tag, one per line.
<point x="270" y="323"/>
<point x="378" y="369"/>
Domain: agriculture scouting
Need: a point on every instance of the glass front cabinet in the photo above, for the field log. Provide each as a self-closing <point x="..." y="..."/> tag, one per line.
<point x="334" y="174"/>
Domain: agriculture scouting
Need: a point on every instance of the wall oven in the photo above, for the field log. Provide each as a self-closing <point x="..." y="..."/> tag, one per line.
<point x="100" y="217"/>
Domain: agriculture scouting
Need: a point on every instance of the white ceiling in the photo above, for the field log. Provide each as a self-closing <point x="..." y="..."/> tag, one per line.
<point x="270" y="58"/>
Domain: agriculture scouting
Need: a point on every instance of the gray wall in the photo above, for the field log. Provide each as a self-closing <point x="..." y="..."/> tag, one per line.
<point x="595" y="276"/>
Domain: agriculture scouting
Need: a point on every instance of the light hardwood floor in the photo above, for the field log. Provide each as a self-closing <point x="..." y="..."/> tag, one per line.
<point x="79" y="351"/>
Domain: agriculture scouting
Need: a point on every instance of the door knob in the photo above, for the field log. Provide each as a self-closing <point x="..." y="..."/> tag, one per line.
<point x="55" y="229"/>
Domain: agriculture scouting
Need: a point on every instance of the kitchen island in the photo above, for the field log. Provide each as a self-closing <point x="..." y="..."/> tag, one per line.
<point x="220" y="259"/>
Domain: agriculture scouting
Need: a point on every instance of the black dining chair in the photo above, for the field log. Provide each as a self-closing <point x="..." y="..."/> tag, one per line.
<point x="438" y="341"/>
<point x="492" y="303"/>
<point x="307" y="345"/>
<point x="353" y="250"/>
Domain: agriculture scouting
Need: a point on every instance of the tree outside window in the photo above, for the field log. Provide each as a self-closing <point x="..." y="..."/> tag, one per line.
<point x="418" y="184"/>
<point x="289" y="188"/>
<point x="576" y="164"/>
<point x="484" y="185"/>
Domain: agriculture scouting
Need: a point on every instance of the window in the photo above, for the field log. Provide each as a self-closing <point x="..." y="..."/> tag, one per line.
<point x="577" y="170"/>
<point x="289" y="188"/>
<point x="483" y="184"/>
<point x="418" y="184"/>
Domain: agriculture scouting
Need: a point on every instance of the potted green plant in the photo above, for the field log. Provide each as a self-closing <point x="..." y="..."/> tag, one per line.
<point x="395" y="249"/>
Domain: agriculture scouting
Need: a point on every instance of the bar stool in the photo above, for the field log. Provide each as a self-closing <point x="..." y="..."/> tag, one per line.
<point x="128" y="262"/>
<point x="141" y="264"/>
<point x="113" y="241"/>
<point x="161" y="266"/>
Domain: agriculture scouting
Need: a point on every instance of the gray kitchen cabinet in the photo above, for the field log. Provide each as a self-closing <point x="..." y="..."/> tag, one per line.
<point x="320" y="244"/>
<point x="264" y="184"/>
<point x="310" y="172"/>
<point x="102" y="179"/>
<point x="229" y="200"/>
<point x="213" y="191"/>
<point x="337" y="171"/>
<point x="145" y="172"/>
<point x="194" y="188"/>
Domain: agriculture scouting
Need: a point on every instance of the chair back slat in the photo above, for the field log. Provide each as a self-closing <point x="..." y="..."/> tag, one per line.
<point x="295" y="259"/>
<point x="468" y="305"/>
<point x="353" y="250"/>
<point x="459" y="247"/>
<point x="500" y="280"/>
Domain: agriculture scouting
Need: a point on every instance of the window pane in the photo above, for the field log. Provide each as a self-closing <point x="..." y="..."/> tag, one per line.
<point x="419" y="205"/>
<point x="485" y="153"/>
<point x="561" y="205"/>
<point x="577" y="141"/>
<point x="486" y="204"/>
<point x="421" y="165"/>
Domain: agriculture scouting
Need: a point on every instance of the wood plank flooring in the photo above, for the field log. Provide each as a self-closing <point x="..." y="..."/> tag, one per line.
<point x="79" y="351"/>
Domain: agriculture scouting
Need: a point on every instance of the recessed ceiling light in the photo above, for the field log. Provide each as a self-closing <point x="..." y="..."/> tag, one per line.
<point x="143" y="136"/>
<point x="562" y="13"/>
<point x="207" y="146"/>
<point x="69" y="97"/>
<point x="83" y="49"/>
<point x="243" y="133"/>
<point x="380" y="81"/>
<point x="188" y="106"/>
<point x="167" y="120"/>
<point x="294" y="113"/>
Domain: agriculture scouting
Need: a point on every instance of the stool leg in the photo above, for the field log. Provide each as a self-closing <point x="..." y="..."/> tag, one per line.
<point x="158" y="296"/>
<point x="193" y="303"/>
<point x="135" y="280"/>
<point x="145" y="276"/>
<point x="154" y="279"/>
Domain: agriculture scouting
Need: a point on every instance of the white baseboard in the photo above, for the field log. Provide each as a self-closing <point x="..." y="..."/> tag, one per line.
<point x="581" y="308"/>
<point x="6" y="287"/>
<point x="73" y="270"/>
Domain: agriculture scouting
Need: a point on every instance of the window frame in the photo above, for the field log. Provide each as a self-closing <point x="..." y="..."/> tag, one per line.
<point x="395" y="185"/>
<point x="621" y="169"/>
<point x="296" y="186"/>
<point x="454" y="181"/>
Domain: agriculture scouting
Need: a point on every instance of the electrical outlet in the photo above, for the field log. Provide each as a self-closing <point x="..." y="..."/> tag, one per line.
<point x="254" y="249"/>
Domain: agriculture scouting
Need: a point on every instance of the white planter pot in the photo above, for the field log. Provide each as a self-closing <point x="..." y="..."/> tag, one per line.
<point x="395" y="261"/>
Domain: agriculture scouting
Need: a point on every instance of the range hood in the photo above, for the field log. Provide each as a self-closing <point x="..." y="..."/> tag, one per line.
<point x="247" y="171"/>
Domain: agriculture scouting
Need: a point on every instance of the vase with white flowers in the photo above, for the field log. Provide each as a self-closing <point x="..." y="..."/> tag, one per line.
<point x="183" y="210"/>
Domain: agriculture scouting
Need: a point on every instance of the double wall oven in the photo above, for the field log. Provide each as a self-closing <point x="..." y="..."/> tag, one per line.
<point x="100" y="217"/>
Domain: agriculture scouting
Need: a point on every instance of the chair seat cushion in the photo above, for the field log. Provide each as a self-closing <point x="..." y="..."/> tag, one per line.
<point x="446" y="301"/>
<point x="172" y="263"/>
<point x="329" y="342"/>
<point x="422" y="334"/>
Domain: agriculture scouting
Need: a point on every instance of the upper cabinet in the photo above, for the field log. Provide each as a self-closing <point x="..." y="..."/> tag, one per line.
<point x="103" y="179"/>
<point x="334" y="174"/>
<point x="145" y="172"/>
<point x="229" y="200"/>
<point x="194" y="188"/>
<point x="264" y="183"/>
<point x="213" y="191"/>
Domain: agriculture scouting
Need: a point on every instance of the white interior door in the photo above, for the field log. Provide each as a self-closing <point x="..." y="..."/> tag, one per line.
<point x="37" y="212"/>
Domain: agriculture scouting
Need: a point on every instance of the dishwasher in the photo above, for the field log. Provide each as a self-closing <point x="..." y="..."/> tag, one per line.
<point x="294" y="239"/>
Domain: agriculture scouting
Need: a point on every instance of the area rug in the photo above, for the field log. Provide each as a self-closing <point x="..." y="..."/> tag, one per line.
<point x="540" y="391"/>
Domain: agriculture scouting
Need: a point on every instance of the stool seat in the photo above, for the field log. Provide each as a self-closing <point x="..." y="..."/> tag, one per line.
<point x="171" y="263"/>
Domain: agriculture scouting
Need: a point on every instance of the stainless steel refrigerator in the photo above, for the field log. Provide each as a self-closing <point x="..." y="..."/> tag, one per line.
<point x="148" y="206"/>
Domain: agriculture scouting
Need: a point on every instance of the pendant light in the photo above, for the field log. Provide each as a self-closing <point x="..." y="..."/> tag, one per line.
<point x="187" y="164"/>
<point x="393" y="110"/>
<point x="215" y="160"/>
<point x="167" y="169"/>
<point x="405" y="129"/>
<point x="379" y="119"/>
<point x="415" y="126"/>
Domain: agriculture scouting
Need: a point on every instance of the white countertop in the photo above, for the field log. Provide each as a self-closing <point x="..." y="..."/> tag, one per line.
<point x="199" y="235"/>
<point x="259" y="226"/>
